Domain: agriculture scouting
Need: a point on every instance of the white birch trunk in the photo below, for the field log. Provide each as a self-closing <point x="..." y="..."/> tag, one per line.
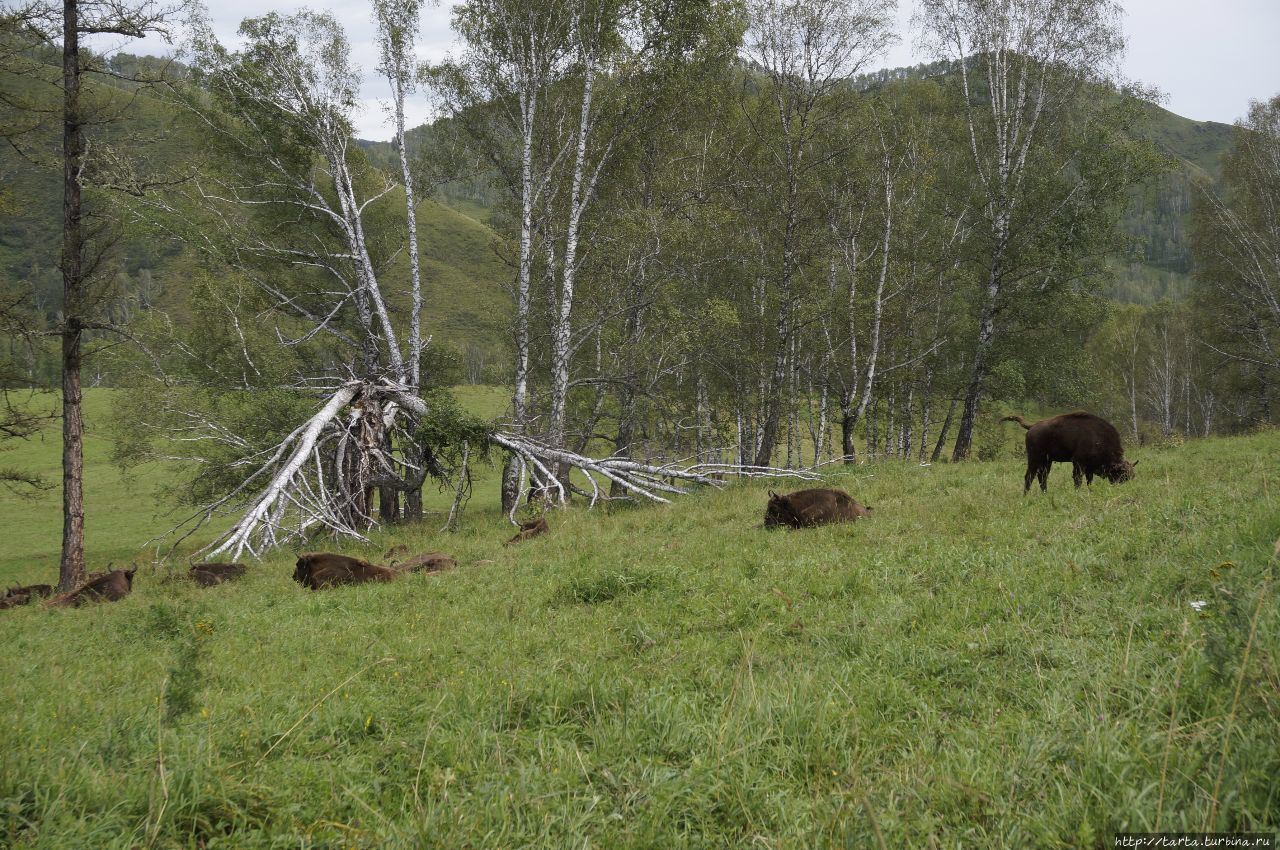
<point x="579" y="197"/>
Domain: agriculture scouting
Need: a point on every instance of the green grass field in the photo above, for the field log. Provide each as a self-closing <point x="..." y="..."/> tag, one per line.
<point x="967" y="669"/>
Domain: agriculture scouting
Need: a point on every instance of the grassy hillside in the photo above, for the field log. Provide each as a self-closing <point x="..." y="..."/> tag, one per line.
<point x="969" y="668"/>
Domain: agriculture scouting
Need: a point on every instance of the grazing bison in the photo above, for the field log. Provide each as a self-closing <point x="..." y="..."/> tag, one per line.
<point x="1090" y="443"/>
<point x="530" y="528"/>
<point x="108" y="587"/>
<point x="431" y="562"/>
<point x="812" y="507"/>
<point x="15" y="596"/>
<point x="208" y="575"/>
<point x="318" y="570"/>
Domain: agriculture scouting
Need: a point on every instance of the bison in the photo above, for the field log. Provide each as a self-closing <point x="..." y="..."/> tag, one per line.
<point x="431" y="562"/>
<point x="1090" y="443"/>
<point x="530" y="528"/>
<point x="16" y="596"/>
<point x="812" y="507"/>
<point x="208" y="575"/>
<point x="108" y="587"/>
<point x="318" y="570"/>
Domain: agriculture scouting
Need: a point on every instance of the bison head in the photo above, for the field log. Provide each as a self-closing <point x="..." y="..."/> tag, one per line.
<point x="302" y="570"/>
<point x="778" y="511"/>
<point x="1120" y="471"/>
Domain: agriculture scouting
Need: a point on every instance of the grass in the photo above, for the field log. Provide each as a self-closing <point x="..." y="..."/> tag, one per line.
<point x="969" y="668"/>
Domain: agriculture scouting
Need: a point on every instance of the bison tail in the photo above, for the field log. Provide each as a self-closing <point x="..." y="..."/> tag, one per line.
<point x="1017" y="419"/>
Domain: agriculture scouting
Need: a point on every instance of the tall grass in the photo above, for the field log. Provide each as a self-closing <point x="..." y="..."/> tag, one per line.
<point x="969" y="668"/>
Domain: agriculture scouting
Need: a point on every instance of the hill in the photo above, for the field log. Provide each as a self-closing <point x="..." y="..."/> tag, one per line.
<point x="1156" y="266"/>
<point x="968" y="667"/>
<point x="1156" y="221"/>
<point x="464" y="278"/>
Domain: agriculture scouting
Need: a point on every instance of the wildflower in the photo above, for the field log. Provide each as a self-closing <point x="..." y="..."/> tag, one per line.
<point x="1199" y="604"/>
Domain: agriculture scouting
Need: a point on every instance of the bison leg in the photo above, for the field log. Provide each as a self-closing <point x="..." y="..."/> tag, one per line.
<point x="1027" y="479"/>
<point x="1044" y="476"/>
<point x="1077" y="473"/>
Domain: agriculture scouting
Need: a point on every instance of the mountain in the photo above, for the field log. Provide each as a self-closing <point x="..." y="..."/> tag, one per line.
<point x="467" y="302"/>
<point x="1159" y="262"/>
<point x="1156" y="265"/>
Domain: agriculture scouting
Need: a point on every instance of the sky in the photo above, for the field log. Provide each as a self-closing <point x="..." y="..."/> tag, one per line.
<point x="1208" y="57"/>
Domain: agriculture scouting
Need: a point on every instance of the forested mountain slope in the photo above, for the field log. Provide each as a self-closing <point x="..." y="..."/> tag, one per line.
<point x="1156" y="266"/>
<point x="463" y="275"/>
<point x="466" y="279"/>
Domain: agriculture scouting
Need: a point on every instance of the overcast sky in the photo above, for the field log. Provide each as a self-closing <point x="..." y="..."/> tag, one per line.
<point x="1209" y="58"/>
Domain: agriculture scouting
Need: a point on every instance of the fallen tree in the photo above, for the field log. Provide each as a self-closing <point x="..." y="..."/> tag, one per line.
<point x="322" y="474"/>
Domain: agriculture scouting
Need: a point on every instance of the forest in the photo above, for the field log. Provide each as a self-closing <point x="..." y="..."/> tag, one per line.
<point x="689" y="238"/>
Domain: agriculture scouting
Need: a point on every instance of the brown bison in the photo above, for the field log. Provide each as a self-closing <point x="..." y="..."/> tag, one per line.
<point x="812" y="507"/>
<point x="208" y="575"/>
<point x="108" y="587"/>
<point x="15" y="596"/>
<point x="530" y="528"/>
<point x="431" y="562"/>
<point x="318" y="570"/>
<point x="1090" y="443"/>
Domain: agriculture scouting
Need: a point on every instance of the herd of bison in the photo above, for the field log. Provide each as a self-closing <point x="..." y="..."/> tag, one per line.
<point x="1089" y="443"/>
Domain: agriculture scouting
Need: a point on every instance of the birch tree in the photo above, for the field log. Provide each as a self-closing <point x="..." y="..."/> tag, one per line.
<point x="397" y="23"/>
<point x="516" y="51"/>
<point x="806" y="49"/>
<point x="1023" y="66"/>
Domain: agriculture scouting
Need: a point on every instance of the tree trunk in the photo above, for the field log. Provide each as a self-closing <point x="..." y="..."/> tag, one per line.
<point x="413" y="496"/>
<point x="561" y="337"/>
<point x="848" y="420"/>
<point x="942" y="434"/>
<point x="772" y="412"/>
<point x="986" y="335"/>
<point x="71" y="569"/>
<point x="520" y="395"/>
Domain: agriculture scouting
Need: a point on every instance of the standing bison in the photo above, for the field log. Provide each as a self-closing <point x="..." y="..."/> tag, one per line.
<point x="1090" y="443"/>
<point x="812" y="507"/>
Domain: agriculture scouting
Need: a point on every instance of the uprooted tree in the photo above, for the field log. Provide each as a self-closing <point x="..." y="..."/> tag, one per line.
<point x="289" y="390"/>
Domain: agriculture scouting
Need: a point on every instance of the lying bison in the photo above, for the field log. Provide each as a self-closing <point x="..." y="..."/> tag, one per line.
<point x="431" y="562"/>
<point x="15" y="596"/>
<point x="107" y="587"/>
<point x="812" y="507"/>
<point x="528" y="529"/>
<point x="1090" y="443"/>
<point x="318" y="570"/>
<point x="208" y="575"/>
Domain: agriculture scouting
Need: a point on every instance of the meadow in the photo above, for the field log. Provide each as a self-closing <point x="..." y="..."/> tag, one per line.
<point x="968" y="668"/>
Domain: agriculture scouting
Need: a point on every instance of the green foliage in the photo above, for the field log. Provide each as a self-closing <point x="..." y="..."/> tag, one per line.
<point x="448" y="425"/>
<point x="1237" y="253"/>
